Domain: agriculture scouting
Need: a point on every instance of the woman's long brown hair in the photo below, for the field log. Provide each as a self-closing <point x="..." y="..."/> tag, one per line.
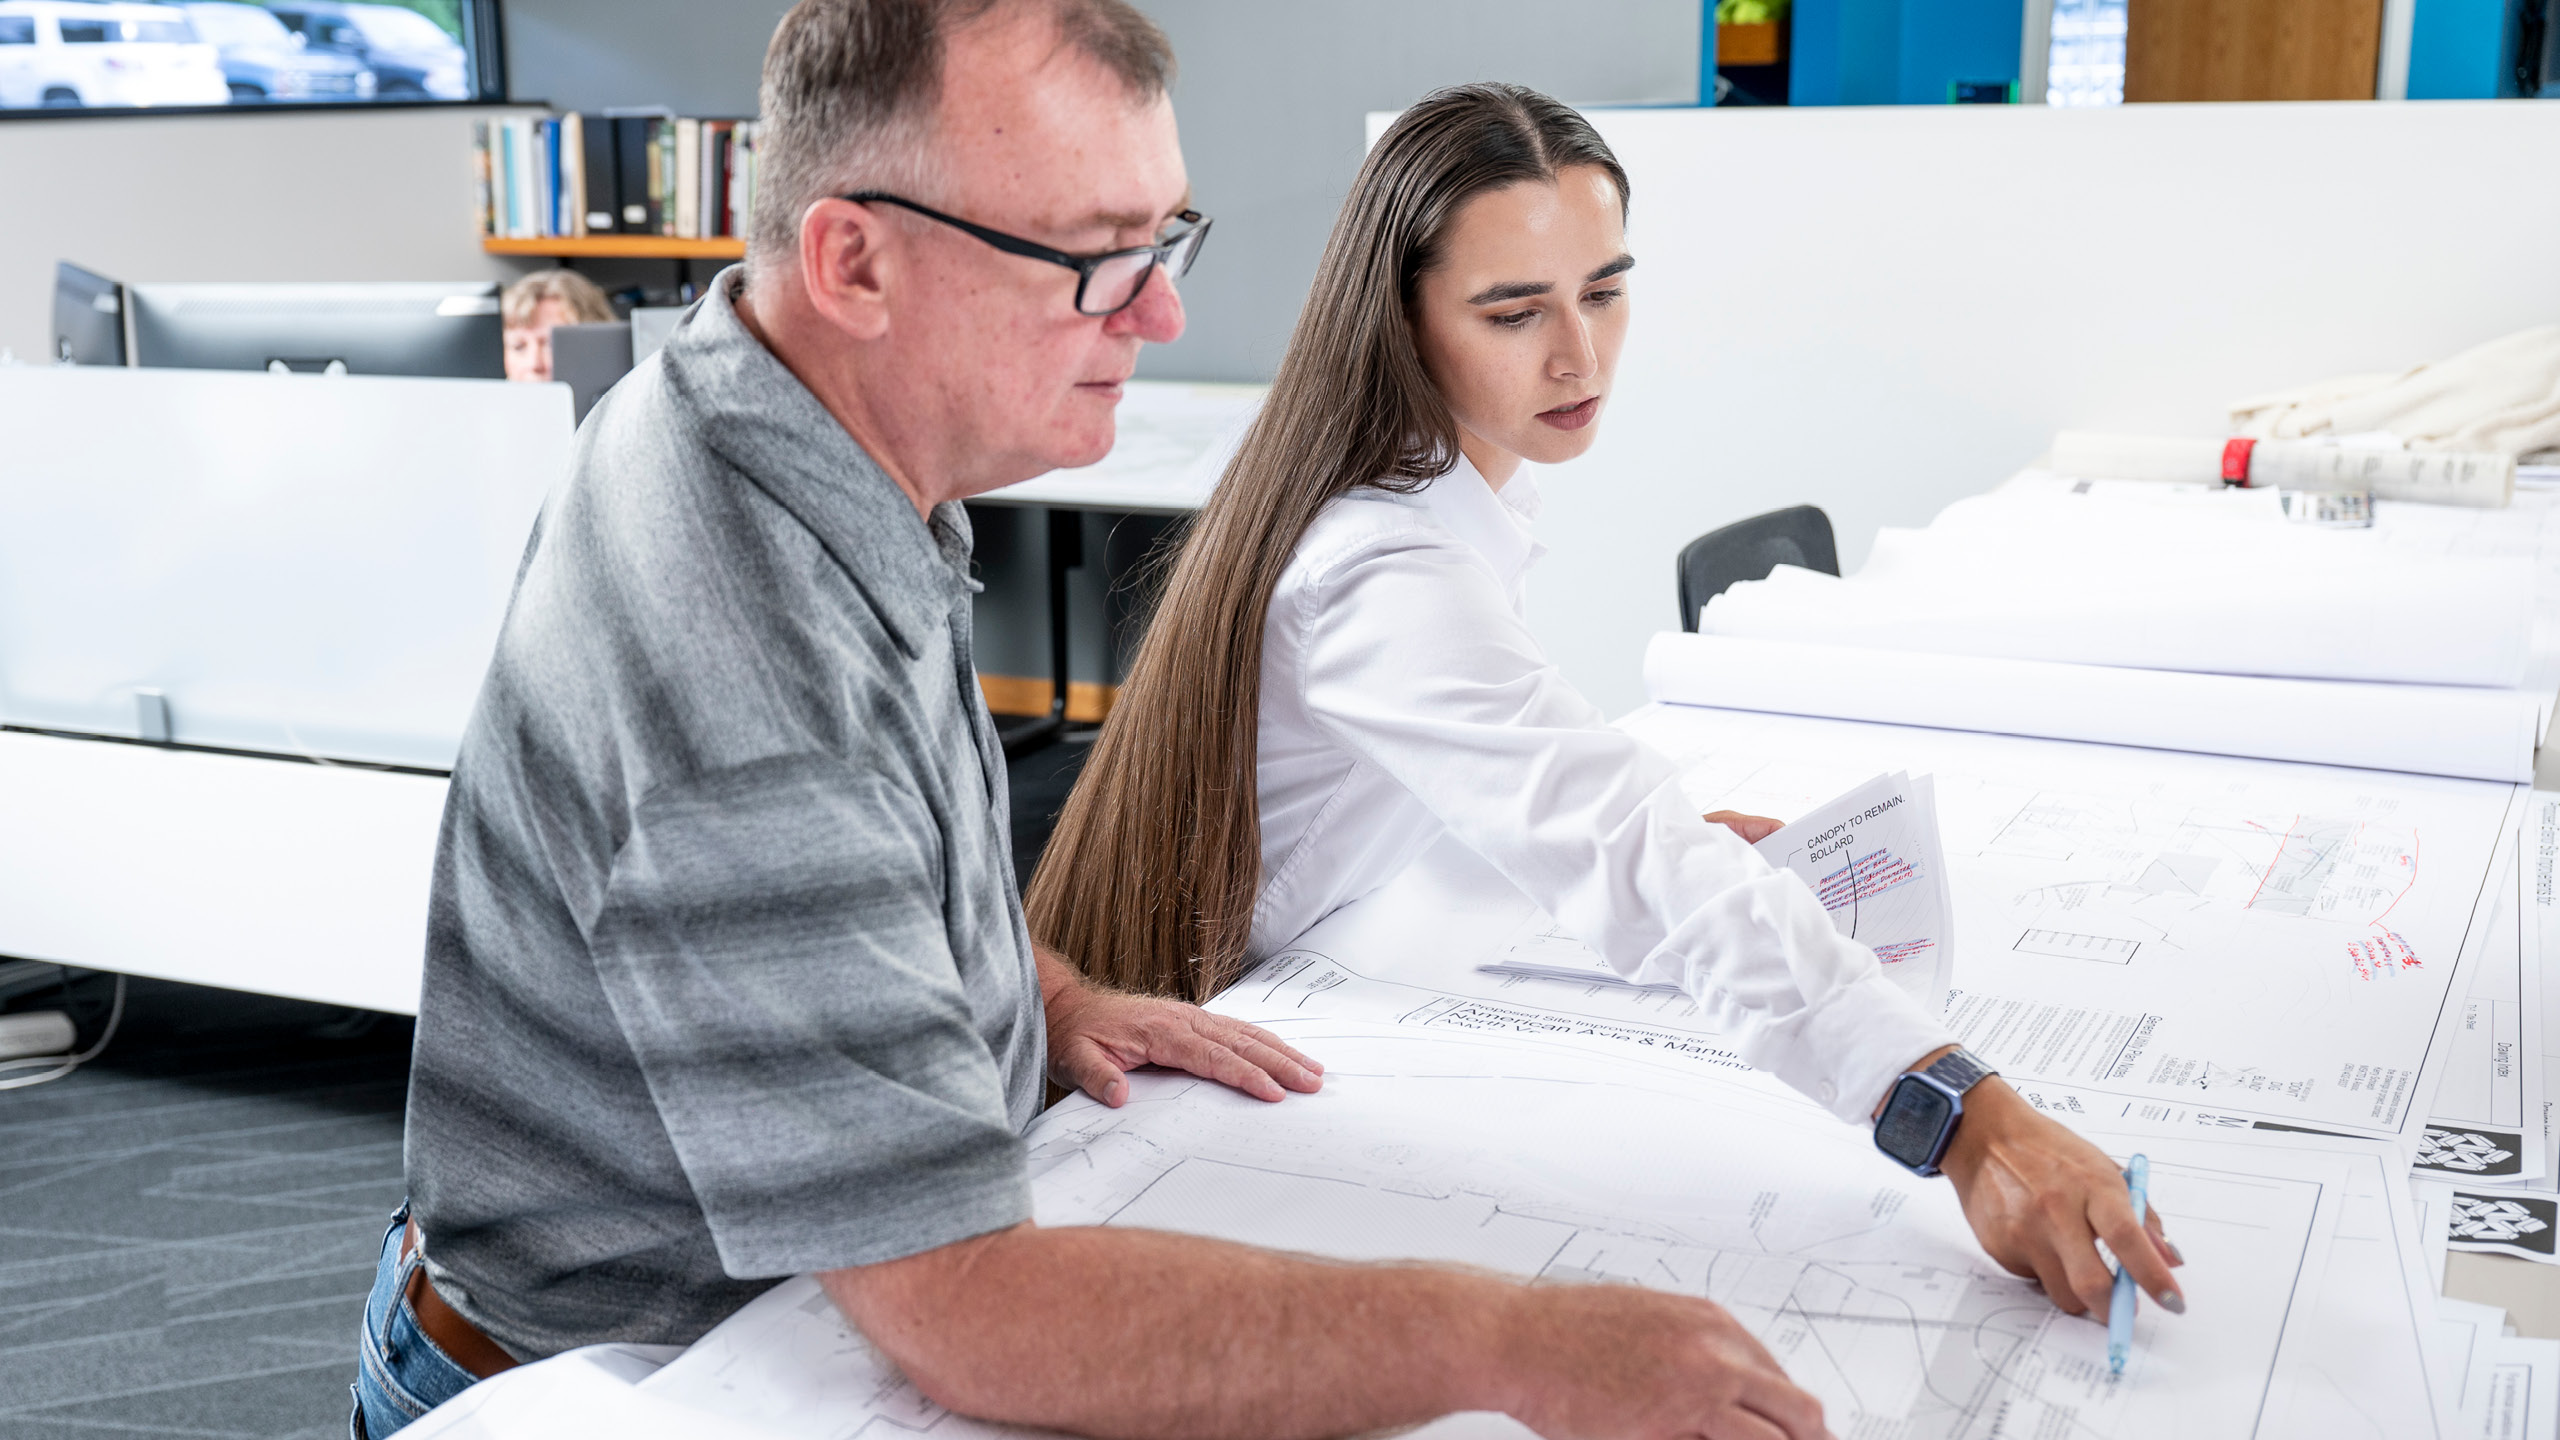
<point x="1149" y="880"/>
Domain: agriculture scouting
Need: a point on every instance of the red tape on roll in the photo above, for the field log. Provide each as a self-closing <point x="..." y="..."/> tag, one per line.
<point x="2235" y="461"/>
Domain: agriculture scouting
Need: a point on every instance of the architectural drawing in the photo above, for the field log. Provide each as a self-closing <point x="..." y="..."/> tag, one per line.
<point x="2064" y="945"/>
<point x="2277" y="941"/>
<point x="2346" y="869"/>
<point x="2273" y="948"/>
<point x="1543" y="1161"/>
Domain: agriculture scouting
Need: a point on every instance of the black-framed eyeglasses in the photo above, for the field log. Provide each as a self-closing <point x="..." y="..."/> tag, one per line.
<point x="1105" y="284"/>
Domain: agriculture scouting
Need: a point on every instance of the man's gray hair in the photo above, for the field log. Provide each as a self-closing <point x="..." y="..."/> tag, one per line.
<point x="850" y="88"/>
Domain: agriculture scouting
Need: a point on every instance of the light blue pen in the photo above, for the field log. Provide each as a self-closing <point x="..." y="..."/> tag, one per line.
<point x="2137" y="1179"/>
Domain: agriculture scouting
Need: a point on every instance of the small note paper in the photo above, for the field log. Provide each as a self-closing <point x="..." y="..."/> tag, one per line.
<point x="1874" y="859"/>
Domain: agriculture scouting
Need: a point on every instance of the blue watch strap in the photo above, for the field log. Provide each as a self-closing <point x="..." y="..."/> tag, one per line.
<point x="1959" y="1070"/>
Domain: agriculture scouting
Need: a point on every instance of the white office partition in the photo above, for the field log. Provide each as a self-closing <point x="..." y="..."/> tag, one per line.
<point x="303" y="565"/>
<point x="1879" y="311"/>
<point x="307" y="566"/>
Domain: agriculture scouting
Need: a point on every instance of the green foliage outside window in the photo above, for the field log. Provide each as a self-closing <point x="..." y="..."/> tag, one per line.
<point x="446" y="13"/>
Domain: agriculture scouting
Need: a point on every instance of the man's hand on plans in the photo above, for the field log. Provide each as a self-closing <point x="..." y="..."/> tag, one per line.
<point x="1614" y="1360"/>
<point x="1097" y="1036"/>
<point x="2039" y="1198"/>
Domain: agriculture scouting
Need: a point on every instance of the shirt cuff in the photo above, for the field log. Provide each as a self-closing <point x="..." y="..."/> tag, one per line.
<point x="1846" y="1052"/>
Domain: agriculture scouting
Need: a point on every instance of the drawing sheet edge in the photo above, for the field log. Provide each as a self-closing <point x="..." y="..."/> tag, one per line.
<point x="2476" y="938"/>
<point x="2523" y="1083"/>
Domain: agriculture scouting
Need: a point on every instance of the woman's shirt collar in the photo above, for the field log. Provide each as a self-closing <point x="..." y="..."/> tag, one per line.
<point x="1494" y="523"/>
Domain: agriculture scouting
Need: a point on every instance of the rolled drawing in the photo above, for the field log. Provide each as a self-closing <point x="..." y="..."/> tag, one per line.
<point x="2439" y="477"/>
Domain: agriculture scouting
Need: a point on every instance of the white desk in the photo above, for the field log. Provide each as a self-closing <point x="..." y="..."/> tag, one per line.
<point x="251" y="874"/>
<point x="300" y="566"/>
<point x="1175" y="439"/>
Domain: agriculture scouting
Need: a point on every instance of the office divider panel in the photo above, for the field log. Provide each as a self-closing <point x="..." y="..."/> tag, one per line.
<point x="301" y="565"/>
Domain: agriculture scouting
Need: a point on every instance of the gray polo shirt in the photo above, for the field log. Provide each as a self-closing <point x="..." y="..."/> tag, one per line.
<point x="726" y="979"/>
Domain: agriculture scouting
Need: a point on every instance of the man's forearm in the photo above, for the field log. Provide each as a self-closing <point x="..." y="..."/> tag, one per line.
<point x="1141" y="1333"/>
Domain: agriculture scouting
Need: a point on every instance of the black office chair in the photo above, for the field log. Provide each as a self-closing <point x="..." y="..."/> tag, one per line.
<point x="1749" y="550"/>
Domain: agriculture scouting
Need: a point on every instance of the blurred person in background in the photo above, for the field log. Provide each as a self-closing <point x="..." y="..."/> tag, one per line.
<point x="534" y="304"/>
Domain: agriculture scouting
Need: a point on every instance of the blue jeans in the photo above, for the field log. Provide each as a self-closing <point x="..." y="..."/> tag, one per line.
<point x="400" y="1374"/>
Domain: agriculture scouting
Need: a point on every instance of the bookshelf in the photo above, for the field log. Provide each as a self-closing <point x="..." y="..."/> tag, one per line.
<point x="620" y="247"/>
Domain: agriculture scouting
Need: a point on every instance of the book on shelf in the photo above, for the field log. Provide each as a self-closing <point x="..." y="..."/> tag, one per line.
<point x="541" y="177"/>
<point x="631" y="168"/>
<point x="600" y="196"/>
<point x="688" y="186"/>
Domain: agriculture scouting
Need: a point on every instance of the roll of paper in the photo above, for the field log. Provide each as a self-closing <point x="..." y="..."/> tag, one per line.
<point x="2436" y="477"/>
<point x="2088" y="455"/>
<point x="2470" y="732"/>
<point x="2284" y="600"/>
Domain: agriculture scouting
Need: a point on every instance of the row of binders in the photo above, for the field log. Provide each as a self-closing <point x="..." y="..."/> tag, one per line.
<point x="615" y="174"/>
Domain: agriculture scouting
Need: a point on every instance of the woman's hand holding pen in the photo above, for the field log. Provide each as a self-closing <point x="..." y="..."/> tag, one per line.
<point x="2039" y="1198"/>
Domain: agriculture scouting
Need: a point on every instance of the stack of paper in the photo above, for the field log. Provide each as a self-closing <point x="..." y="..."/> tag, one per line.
<point x="2218" y="583"/>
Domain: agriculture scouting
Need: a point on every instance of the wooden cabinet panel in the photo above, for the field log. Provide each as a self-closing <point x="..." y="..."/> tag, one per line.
<point x="2251" y="49"/>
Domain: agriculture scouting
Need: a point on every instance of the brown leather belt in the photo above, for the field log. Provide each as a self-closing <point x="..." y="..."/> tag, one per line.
<point x="459" y="1339"/>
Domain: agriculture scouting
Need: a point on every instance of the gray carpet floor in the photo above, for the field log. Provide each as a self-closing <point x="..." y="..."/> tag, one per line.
<point x="188" y="1224"/>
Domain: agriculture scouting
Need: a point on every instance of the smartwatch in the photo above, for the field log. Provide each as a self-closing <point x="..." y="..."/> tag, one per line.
<point x="1919" y="1119"/>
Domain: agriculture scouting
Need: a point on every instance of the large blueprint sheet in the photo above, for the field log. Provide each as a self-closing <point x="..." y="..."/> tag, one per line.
<point x="2175" y="937"/>
<point x="1555" y="1161"/>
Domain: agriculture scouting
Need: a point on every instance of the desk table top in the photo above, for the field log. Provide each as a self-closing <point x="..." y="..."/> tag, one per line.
<point x="1175" y="440"/>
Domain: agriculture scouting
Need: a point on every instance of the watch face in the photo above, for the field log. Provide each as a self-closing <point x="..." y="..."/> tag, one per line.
<point x="1912" y="1122"/>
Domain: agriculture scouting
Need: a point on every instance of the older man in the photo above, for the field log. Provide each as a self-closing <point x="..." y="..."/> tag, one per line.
<point x="726" y="978"/>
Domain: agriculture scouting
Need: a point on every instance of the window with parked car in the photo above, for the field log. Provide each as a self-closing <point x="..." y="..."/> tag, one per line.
<point x="137" y="54"/>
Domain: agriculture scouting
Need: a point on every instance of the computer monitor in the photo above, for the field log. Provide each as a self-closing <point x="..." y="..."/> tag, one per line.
<point x="361" y="328"/>
<point x="589" y="359"/>
<point x="88" y="317"/>
<point x="650" y="327"/>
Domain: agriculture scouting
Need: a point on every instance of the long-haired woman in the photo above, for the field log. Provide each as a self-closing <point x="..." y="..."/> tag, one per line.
<point x="1339" y="673"/>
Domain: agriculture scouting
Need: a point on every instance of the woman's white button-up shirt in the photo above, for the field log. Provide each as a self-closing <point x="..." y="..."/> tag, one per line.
<point x="1402" y="696"/>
